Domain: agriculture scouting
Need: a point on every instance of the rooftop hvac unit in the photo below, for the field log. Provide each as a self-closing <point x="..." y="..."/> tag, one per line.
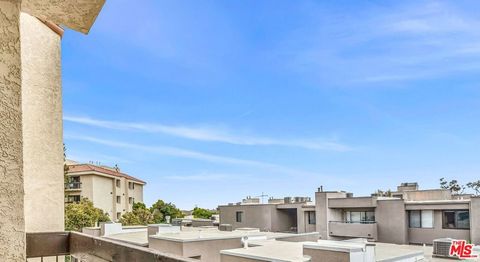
<point x="441" y="247"/>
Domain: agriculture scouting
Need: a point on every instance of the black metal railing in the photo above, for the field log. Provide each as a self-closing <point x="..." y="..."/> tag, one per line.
<point x="83" y="247"/>
<point x="73" y="185"/>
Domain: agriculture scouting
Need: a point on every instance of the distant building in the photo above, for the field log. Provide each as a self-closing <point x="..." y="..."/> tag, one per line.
<point x="109" y="189"/>
<point x="278" y="215"/>
<point x="406" y="216"/>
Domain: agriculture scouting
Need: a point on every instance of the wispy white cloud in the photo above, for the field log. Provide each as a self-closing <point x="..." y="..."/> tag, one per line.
<point x="384" y="43"/>
<point x="206" y="177"/>
<point x="209" y="134"/>
<point x="190" y="154"/>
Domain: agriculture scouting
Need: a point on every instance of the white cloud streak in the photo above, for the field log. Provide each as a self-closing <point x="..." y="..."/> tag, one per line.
<point x="190" y="154"/>
<point x="385" y="43"/>
<point x="205" y="177"/>
<point x="208" y="134"/>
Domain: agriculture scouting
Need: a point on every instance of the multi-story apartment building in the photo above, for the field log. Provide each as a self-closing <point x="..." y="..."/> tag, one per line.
<point x="109" y="189"/>
<point x="408" y="215"/>
<point x="289" y="214"/>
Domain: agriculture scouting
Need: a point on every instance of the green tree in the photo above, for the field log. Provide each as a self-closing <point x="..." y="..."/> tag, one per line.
<point x="382" y="193"/>
<point x="140" y="215"/>
<point x="453" y="186"/>
<point x="161" y="210"/>
<point x="202" y="213"/>
<point x="83" y="214"/>
<point x="475" y="186"/>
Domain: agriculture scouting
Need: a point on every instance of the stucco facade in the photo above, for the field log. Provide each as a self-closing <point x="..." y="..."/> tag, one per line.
<point x="272" y="217"/>
<point x="30" y="116"/>
<point x="408" y="216"/>
<point x="12" y="220"/>
<point x="399" y="219"/>
<point x="42" y="117"/>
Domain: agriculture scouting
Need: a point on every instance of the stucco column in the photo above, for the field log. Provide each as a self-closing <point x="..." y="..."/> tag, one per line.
<point x="42" y="126"/>
<point x="475" y="220"/>
<point x="12" y="223"/>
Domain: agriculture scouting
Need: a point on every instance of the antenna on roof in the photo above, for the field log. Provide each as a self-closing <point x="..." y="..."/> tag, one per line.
<point x="263" y="197"/>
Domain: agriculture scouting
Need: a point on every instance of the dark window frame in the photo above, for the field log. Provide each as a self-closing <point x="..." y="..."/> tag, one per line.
<point x="73" y="198"/>
<point x="455" y="212"/>
<point x="420" y="212"/>
<point x="312" y="217"/>
<point x="239" y="216"/>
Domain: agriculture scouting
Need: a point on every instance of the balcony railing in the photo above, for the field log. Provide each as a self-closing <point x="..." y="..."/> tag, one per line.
<point x="355" y="222"/>
<point x="73" y="185"/>
<point x="89" y="248"/>
<point x="361" y="229"/>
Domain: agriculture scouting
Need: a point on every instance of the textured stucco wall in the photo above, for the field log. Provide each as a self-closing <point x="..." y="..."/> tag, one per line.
<point x="42" y="126"/>
<point x="392" y="223"/>
<point x="209" y="250"/>
<point x="103" y="194"/>
<point x="324" y="214"/>
<point x="12" y="223"/>
<point x="427" y="235"/>
<point x="87" y="186"/>
<point x="256" y="216"/>
<point x="475" y="220"/>
<point x="138" y="193"/>
<point x="318" y="255"/>
<point x="78" y="15"/>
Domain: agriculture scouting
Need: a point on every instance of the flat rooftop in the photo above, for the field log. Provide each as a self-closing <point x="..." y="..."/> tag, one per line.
<point x="271" y="250"/>
<point x="139" y="238"/>
<point x="391" y="252"/>
<point x="282" y="251"/>
<point x="213" y="234"/>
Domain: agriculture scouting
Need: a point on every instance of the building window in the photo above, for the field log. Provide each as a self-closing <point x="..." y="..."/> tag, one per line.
<point x="73" y="183"/>
<point x="311" y="217"/>
<point x="73" y="198"/>
<point x="421" y="218"/>
<point x="362" y="217"/>
<point x="119" y="215"/>
<point x="130" y="200"/>
<point x="119" y="199"/>
<point x="117" y="182"/>
<point x="456" y="219"/>
<point x="131" y="185"/>
<point x="239" y="216"/>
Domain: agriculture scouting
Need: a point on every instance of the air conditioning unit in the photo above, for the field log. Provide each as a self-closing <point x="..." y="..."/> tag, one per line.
<point x="441" y="247"/>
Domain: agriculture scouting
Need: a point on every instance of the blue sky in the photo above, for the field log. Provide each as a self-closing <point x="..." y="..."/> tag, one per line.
<point x="210" y="101"/>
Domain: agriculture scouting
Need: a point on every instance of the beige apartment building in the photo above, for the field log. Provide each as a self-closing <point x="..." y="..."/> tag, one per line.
<point x="108" y="188"/>
<point x="406" y="216"/>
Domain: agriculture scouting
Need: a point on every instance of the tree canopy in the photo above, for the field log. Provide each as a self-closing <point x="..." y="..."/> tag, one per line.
<point x="157" y="213"/>
<point x="456" y="188"/>
<point x="83" y="214"/>
<point x="140" y="215"/>
<point x="202" y="213"/>
<point x="161" y="210"/>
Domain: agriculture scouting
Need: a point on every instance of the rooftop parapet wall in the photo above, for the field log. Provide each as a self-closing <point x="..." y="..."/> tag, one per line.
<point x="422" y="195"/>
<point x="353" y="202"/>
